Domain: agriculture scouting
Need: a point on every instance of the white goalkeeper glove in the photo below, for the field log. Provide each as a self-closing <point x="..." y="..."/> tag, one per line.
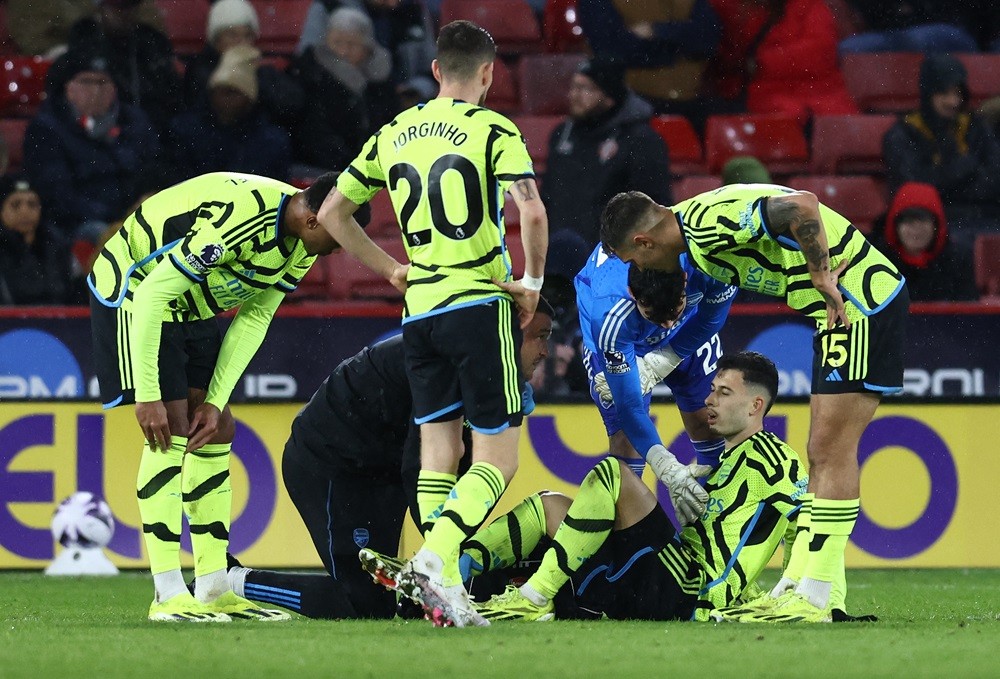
<point x="653" y="368"/>
<point x="686" y="495"/>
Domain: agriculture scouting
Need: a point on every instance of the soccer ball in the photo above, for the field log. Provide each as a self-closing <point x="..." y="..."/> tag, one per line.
<point x="83" y="520"/>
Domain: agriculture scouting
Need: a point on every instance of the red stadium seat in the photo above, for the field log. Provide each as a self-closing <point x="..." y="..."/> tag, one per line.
<point x="689" y="187"/>
<point x="511" y="215"/>
<point x="777" y="141"/>
<point x="314" y="286"/>
<point x="859" y="199"/>
<point x="562" y="28"/>
<point x="987" y="266"/>
<point x="516" y="249"/>
<point x="849" y="144"/>
<point x="22" y="85"/>
<point x="503" y="94"/>
<point x="512" y="23"/>
<point x="883" y="82"/>
<point x="682" y="143"/>
<point x="536" y="131"/>
<point x="383" y="220"/>
<point x="349" y="279"/>
<point x="185" y="22"/>
<point x="984" y="76"/>
<point x="544" y="81"/>
<point x="281" y="23"/>
<point x="12" y="131"/>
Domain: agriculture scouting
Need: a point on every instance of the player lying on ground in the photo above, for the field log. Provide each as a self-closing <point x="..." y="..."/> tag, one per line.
<point x="638" y="328"/>
<point x="350" y="467"/>
<point x="777" y="241"/>
<point x="188" y="253"/>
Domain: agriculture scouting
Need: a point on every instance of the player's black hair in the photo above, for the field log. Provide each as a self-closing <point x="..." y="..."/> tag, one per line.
<point x="659" y="291"/>
<point x="545" y="308"/>
<point x="462" y="47"/>
<point x="321" y="188"/>
<point x="620" y="216"/>
<point x="757" y="369"/>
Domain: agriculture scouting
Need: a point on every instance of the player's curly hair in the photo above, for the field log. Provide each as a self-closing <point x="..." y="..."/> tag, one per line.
<point x="658" y="291"/>
<point x="462" y="47"/>
<point x="756" y="369"/>
<point x="321" y="188"/>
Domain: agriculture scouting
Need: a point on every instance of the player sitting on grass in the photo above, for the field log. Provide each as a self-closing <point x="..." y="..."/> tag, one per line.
<point x="626" y="559"/>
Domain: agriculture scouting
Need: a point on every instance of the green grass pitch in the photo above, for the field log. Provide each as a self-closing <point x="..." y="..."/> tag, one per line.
<point x="934" y="623"/>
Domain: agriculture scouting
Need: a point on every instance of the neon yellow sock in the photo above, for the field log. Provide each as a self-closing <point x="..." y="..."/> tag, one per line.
<point x="832" y="524"/>
<point x="208" y="500"/>
<point x="587" y="525"/>
<point x="796" y="560"/>
<point x="505" y="541"/>
<point x="432" y="491"/>
<point x="158" y="488"/>
<point x="467" y="506"/>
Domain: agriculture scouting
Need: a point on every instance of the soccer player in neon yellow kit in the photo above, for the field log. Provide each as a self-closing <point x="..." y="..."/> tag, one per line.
<point x="446" y="165"/>
<point x="785" y="243"/>
<point x="211" y="243"/>
<point x="623" y="555"/>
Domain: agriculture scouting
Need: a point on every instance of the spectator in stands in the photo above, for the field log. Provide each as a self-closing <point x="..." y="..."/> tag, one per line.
<point x="43" y="26"/>
<point x="945" y="145"/>
<point x="780" y="56"/>
<point x="913" y="26"/>
<point x="605" y="146"/>
<point x="403" y="27"/>
<point x="915" y="238"/>
<point x="745" y="170"/>
<point x="141" y="58"/>
<point x="86" y="153"/>
<point x="34" y="258"/>
<point x="228" y="131"/>
<point x="664" y="44"/>
<point x="231" y="23"/>
<point x="350" y="94"/>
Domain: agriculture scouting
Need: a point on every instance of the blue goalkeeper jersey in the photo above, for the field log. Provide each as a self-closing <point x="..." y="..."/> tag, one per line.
<point x="616" y="333"/>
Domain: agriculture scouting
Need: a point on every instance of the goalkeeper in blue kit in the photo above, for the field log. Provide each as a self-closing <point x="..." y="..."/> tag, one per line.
<point x="641" y="328"/>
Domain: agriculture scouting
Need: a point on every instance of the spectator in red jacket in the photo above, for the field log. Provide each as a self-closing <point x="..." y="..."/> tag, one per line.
<point x="916" y="240"/>
<point x="780" y="56"/>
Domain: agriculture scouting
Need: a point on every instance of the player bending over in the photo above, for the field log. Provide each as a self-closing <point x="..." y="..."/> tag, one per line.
<point x="350" y="467"/>
<point x="640" y="327"/>
<point x="777" y="241"/>
<point x="188" y="253"/>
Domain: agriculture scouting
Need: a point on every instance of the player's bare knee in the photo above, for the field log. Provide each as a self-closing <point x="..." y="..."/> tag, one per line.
<point x="227" y="427"/>
<point x="555" y="505"/>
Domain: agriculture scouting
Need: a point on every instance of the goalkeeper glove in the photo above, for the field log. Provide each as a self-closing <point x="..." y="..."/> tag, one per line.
<point x="653" y="368"/>
<point x="686" y="495"/>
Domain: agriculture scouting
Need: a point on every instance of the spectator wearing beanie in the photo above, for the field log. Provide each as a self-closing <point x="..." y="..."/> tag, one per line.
<point x="228" y="131"/>
<point x="605" y="146"/>
<point x="35" y="261"/>
<point x="915" y="238"/>
<point x="140" y="57"/>
<point x="232" y="23"/>
<point x="745" y="170"/>
<point x="85" y="152"/>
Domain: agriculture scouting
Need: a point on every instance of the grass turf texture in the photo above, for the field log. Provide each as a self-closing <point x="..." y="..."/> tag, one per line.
<point x="934" y="623"/>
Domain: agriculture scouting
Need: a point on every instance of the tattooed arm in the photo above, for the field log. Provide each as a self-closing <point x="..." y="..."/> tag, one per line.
<point x="534" y="240"/>
<point x="797" y="215"/>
